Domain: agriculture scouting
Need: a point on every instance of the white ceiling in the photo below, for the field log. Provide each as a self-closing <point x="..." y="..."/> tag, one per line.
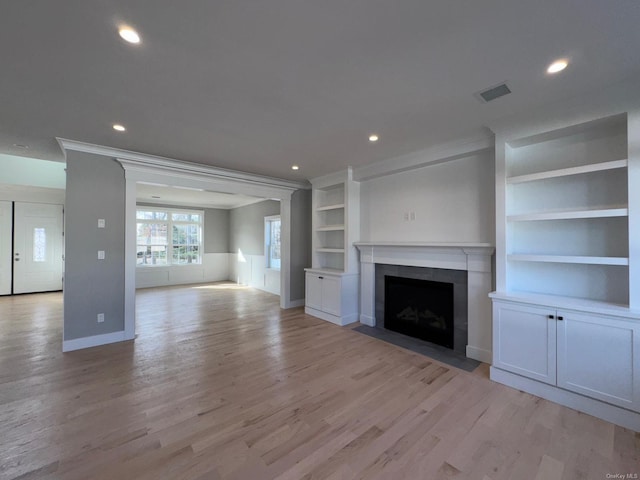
<point x="168" y="195"/>
<point x="259" y="86"/>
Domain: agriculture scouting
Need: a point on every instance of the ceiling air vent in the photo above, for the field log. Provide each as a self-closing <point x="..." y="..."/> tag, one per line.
<point x="492" y="93"/>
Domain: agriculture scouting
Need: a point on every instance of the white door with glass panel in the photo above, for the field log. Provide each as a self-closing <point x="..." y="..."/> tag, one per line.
<point x="37" y="247"/>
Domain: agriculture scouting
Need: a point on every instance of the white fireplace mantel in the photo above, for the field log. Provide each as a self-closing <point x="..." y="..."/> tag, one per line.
<point x="475" y="258"/>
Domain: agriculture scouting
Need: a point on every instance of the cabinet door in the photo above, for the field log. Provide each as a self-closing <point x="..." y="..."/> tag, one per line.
<point x="313" y="291"/>
<point x="331" y="295"/>
<point x="524" y="341"/>
<point x="598" y="357"/>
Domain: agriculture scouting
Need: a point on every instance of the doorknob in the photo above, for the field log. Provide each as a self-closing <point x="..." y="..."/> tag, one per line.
<point x="17" y="259"/>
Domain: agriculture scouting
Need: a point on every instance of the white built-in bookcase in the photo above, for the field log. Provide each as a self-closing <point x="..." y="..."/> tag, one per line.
<point x="566" y="213"/>
<point x="332" y="280"/>
<point x="335" y="223"/>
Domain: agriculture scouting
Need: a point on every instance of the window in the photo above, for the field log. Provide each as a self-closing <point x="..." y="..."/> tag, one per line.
<point x="168" y="236"/>
<point x="272" y="241"/>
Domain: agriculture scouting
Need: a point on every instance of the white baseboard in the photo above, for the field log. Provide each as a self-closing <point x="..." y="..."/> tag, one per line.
<point x="610" y="413"/>
<point x="479" y="354"/>
<point x="296" y="303"/>
<point x="94" y="341"/>
<point x="367" y="320"/>
<point x="342" y="321"/>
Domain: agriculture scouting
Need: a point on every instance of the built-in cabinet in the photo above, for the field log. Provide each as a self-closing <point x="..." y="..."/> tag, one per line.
<point x="332" y="280"/>
<point x="589" y="354"/>
<point x="566" y="311"/>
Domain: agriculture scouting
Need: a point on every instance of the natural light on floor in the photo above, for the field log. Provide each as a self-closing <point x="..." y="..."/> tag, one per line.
<point x="222" y="286"/>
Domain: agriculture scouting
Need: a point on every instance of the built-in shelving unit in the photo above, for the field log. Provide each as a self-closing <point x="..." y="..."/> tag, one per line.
<point x="566" y="212"/>
<point x="566" y="311"/>
<point x="332" y="280"/>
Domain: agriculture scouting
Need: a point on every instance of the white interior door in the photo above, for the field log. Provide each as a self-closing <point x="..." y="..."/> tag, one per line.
<point x="37" y="247"/>
<point x="5" y="247"/>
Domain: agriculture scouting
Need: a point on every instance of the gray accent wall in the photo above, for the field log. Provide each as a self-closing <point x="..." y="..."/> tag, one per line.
<point x="95" y="189"/>
<point x="246" y="227"/>
<point x="216" y="230"/>
<point x="300" y="242"/>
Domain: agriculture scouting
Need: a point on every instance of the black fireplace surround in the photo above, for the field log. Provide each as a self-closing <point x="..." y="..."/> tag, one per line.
<point x="439" y="299"/>
<point x="419" y="308"/>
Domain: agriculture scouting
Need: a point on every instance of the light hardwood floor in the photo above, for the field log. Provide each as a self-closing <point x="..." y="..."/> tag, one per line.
<point x="222" y="384"/>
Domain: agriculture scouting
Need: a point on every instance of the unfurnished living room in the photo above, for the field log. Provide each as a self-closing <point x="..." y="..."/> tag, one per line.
<point x="320" y="240"/>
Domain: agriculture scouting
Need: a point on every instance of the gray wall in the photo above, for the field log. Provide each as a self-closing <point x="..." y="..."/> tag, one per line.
<point x="246" y="227"/>
<point x="95" y="189"/>
<point x="300" y="241"/>
<point x="216" y="227"/>
<point x="216" y="230"/>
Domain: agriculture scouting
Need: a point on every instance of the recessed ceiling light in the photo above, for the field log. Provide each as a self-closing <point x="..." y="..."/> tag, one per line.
<point x="129" y="35"/>
<point x="373" y="138"/>
<point x="557" y="66"/>
<point x="155" y="196"/>
<point x="119" y="128"/>
<point x="295" y="167"/>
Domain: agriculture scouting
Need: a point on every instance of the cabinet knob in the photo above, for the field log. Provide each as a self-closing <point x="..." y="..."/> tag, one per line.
<point x="551" y="317"/>
<point x="560" y="318"/>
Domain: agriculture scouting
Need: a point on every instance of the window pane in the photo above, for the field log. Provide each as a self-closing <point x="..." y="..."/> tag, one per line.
<point x="151" y="255"/>
<point x="152" y="234"/>
<point x="185" y="254"/>
<point x="180" y="217"/>
<point x="273" y="243"/>
<point x="39" y="245"/>
<point x="151" y="215"/>
<point x="275" y="239"/>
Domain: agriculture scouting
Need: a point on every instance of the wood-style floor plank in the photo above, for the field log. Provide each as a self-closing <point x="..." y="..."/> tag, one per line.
<point x="221" y="384"/>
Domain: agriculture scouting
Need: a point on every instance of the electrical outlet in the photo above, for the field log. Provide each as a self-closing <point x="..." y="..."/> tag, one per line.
<point x="412" y="216"/>
<point x="406" y="216"/>
<point x="100" y="317"/>
<point x="101" y="223"/>
<point x="100" y="254"/>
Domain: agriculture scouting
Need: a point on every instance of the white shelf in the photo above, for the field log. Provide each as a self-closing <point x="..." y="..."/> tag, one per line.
<point x="564" y="172"/>
<point x="330" y="228"/>
<point x="330" y="250"/>
<point x="571" y="303"/>
<point x="585" y="260"/>
<point x="330" y="207"/>
<point x="570" y="214"/>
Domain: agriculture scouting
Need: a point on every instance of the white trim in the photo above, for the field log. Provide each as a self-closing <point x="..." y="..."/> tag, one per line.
<point x="94" y="341"/>
<point x="619" y="416"/>
<point x="341" y="321"/>
<point x="480" y="354"/>
<point x="136" y="159"/>
<point x="296" y="303"/>
<point x="434" y="155"/>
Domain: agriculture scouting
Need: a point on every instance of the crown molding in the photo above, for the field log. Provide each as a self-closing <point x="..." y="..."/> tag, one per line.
<point x="142" y="161"/>
<point x="434" y="155"/>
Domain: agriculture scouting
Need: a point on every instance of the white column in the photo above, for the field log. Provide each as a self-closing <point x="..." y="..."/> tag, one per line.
<point x="367" y="292"/>
<point x="479" y="335"/>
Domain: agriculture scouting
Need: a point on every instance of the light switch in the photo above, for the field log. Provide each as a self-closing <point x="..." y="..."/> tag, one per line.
<point x="100" y="254"/>
<point x="101" y="223"/>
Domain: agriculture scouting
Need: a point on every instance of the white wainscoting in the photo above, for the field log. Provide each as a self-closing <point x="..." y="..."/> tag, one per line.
<point x="214" y="268"/>
<point x="250" y="270"/>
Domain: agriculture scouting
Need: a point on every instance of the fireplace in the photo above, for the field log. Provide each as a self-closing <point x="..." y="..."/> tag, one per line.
<point x="419" y="308"/>
<point x="467" y="265"/>
<point x="447" y="299"/>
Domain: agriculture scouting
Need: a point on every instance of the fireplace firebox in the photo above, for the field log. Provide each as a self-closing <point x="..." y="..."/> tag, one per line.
<point x="420" y="308"/>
